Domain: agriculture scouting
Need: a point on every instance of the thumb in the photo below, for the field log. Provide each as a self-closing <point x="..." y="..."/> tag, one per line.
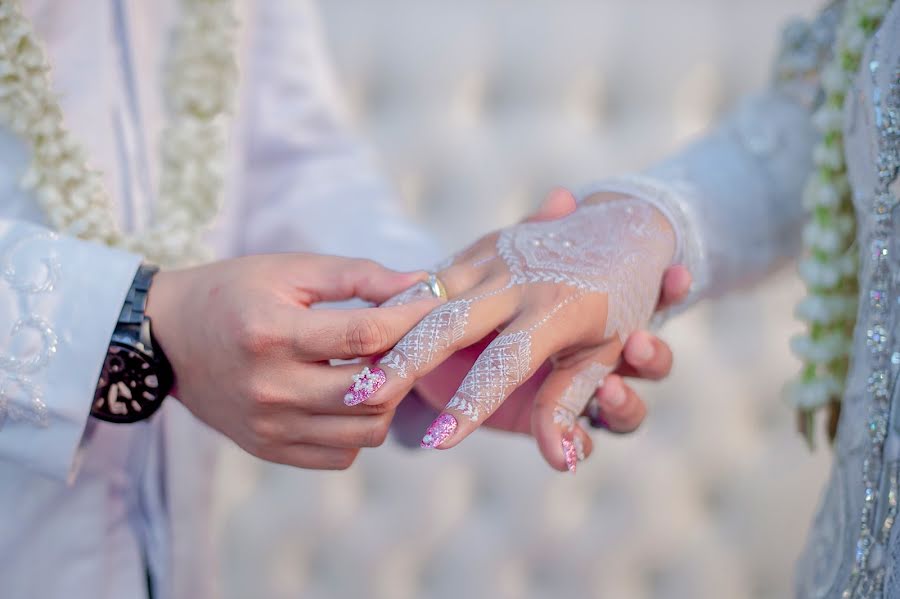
<point x="558" y="203"/>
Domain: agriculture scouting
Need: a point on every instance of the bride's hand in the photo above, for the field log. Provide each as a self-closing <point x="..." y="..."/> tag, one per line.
<point x="568" y="290"/>
<point x="616" y="407"/>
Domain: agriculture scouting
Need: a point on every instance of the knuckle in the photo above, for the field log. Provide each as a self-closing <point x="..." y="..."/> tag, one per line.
<point x="452" y="347"/>
<point x="255" y="337"/>
<point x="361" y="268"/>
<point x="344" y="460"/>
<point x="367" y="265"/>
<point x="377" y="433"/>
<point x="264" y="400"/>
<point x="380" y="409"/>
<point x="263" y="430"/>
<point x="366" y="336"/>
<point x="260" y="449"/>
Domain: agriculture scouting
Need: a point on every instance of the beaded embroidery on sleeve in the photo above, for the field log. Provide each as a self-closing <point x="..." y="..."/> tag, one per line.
<point x="21" y="397"/>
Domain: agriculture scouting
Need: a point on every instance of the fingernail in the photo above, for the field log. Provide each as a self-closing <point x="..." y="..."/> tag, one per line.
<point x="612" y="395"/>
<point x="365" y="384"/>
<point x="570" y="452"/>
<point x="442" y="427"/>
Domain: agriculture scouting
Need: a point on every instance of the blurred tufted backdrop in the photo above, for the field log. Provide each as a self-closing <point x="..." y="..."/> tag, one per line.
<point x="478" y="107"/>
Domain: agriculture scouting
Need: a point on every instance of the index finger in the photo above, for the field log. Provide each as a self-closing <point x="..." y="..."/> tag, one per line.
<point x="334" y="278"/>
<point x="330" y="334"/>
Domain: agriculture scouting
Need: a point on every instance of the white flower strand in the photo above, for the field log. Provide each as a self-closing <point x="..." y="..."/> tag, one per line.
<point x="70" y="194"/>
<point x="830" y="267"/>
<point x="199" y="85"/>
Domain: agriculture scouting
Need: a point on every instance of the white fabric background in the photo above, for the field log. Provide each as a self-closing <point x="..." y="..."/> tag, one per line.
<point x="477" y="108"/>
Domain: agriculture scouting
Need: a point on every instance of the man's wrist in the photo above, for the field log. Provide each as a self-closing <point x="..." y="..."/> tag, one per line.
<point x="159" y="300"/>
<point x="136" y="375"/>
<point x="162" y="311"/>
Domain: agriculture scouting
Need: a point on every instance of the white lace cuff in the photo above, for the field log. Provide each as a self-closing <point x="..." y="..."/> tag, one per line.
<point x="60" y="299"/>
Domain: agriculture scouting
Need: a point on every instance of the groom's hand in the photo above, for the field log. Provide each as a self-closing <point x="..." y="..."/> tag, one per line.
<point x="251" y="359"/>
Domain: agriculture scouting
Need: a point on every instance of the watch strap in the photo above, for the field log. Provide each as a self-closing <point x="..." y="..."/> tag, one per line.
<point x="136" y="376"/>
<point x="136" y="301"/>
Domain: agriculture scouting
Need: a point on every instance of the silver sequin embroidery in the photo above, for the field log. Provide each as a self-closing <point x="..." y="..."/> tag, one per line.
<point x="879" y="507"/>
<point x="21" y="397"/>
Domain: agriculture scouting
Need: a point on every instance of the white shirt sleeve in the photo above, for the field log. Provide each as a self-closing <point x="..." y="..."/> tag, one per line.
<point x="309" y="182"/>
<point x="60" y="300"/>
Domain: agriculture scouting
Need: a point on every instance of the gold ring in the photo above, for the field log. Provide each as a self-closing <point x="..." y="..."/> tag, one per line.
<point x="436" y="286"/>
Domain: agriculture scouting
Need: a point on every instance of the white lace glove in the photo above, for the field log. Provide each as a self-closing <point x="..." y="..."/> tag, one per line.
<point x="569" y="290"/>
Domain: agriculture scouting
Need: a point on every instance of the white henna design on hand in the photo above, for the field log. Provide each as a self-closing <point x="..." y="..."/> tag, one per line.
<point x="439" y="330"/>
<point x="617" y="248"/>
<point x="503" y="365"/>
<point x="601" y="248"/>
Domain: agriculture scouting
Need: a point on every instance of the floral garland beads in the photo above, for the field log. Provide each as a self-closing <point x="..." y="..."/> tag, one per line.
<point x="829" y="268"/>
<point x="200" y="81"/>
<point x="71" y="194"/>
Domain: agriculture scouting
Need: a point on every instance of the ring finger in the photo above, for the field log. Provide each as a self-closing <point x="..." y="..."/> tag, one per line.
<point x="450" y="327"/>
<point x="502" y="367"/>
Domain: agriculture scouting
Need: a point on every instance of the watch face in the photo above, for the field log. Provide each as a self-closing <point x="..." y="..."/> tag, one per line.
<point x="129" y="388"/>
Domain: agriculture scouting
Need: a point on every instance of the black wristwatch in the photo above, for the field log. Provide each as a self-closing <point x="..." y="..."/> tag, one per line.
<point x="136" y="375"/>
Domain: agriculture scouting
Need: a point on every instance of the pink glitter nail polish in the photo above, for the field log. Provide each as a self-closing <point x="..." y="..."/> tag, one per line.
<point x="442" y="427"/>
<point x="364" y="386"/>
<point x="570" y="452"/>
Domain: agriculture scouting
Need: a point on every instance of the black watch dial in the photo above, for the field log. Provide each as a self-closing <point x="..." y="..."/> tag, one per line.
<point x="130" y="386"/>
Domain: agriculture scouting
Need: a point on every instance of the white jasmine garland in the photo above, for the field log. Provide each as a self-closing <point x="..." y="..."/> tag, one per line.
<point x="826" y="274"/>
<point x="829" y="238"/>
<point x="828" y="118"/>
<point x="820" y="193"/>
<point x="828" y="156"/>
<point x="814" y="393"/>
<point x="825" y="308"/>
<point x="200" y="81"/>
<point x="829" y="269"/>
<point x="826" y="348"/>
<point x="873" y="9"/>
<point x="834" y="79"/>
